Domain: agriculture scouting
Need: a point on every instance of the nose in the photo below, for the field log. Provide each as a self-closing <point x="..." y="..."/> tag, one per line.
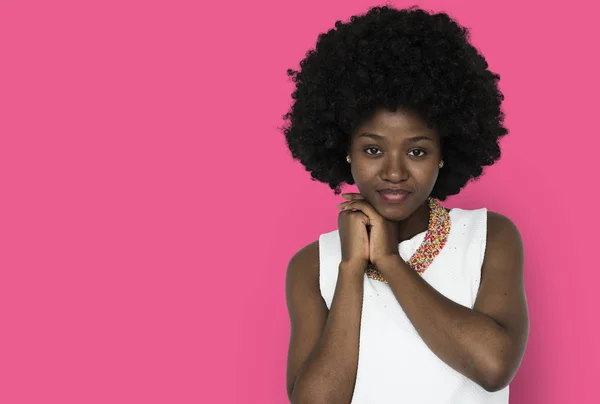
<point x="394" y="170"/>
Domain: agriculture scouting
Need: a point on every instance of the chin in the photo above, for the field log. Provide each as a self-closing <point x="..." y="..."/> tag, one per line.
<point x="396" y="218"/>
<point x="397" y="212"/>
<point x="393" y="213"/>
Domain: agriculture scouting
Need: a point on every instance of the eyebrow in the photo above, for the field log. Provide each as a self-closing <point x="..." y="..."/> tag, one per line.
<point x="410" y="139"/>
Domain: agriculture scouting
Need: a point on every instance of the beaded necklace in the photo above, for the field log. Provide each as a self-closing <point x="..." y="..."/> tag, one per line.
<point x="435" y="239"/>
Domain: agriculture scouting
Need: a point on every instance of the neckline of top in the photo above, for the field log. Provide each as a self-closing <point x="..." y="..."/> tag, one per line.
<point x="423" y="233"/>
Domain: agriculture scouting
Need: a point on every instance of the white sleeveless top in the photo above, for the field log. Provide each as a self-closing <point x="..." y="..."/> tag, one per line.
<point x="394" y="364"/>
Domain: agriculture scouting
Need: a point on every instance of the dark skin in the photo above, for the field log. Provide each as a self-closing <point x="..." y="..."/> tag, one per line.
<point x="485" y="343"/>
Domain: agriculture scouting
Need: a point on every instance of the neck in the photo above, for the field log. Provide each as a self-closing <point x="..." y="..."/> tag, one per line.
<point x="416" y="223"/>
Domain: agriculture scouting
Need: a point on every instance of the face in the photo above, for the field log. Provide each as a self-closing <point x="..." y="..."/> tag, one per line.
<point x="395" y="151"/>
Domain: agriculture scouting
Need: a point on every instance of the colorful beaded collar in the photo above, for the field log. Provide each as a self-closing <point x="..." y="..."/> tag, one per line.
<point x="435" y="239"/>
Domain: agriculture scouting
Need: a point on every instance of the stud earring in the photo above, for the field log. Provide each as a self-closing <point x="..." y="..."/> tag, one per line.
<point x="441" y="164"/>
<point x="348" y="159"/>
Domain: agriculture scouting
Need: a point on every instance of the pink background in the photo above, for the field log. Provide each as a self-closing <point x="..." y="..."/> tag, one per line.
<point x="149" y="205"/>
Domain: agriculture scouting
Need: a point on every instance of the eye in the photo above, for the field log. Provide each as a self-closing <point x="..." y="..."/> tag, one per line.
<point x="371" y="148"/>
<point x="420" y="151"/>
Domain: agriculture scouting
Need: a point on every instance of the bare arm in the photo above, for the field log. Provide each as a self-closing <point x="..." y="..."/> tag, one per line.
<point x="323" y="351"/>
<point x="485" y="343"/>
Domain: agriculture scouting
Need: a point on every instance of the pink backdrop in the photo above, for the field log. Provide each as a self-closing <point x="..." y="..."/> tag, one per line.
<point x="149" y="205"/>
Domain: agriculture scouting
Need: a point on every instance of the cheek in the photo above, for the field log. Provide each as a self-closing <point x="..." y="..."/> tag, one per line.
<point x="364" y="171"/>
<point x="426" y="174"/>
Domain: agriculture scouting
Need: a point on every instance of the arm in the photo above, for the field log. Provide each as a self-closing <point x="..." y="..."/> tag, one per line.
<point x="323" y="351"/>
<point x="486" y="343"/>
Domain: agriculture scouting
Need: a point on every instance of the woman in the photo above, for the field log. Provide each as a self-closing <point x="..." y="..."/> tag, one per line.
<point x="407" y="301"/>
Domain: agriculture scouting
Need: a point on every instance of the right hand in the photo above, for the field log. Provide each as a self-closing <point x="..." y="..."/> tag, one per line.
<point x="354" y="238"/>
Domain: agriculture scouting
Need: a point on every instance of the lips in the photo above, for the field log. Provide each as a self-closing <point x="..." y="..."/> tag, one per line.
<point x="393" y="191"/>
<point x="393" y="195"/>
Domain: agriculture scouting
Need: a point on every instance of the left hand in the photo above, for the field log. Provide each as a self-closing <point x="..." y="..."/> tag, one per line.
<point x="383" y="233"/>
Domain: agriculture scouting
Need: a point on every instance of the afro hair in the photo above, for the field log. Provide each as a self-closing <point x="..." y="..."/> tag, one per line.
<point x="390" y="58"/>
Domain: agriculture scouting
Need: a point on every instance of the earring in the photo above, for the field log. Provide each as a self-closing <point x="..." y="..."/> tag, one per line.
<point x="441" y="164"/>
<point x="348" y="159"/>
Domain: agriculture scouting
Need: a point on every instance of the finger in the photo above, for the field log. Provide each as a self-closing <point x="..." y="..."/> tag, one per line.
<point x="366" y="208"/>
<point x="352" y="196"/>
<point x="344" y="205"/>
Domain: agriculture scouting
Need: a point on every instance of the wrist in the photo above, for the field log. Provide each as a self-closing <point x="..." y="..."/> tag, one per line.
<point x="353" y="267"/>
<point x="388" y="261"/>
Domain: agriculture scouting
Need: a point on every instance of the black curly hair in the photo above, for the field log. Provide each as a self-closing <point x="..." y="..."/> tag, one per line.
<point x="390" y="58"/>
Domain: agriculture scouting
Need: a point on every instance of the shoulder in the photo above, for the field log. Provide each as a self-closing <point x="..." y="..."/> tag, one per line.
<point x="496" y="223"/>
<point x="309" y="254"/>
<point x="501" y="235"/>
<point x="501" y="228"/>
<point x="504" y="246"/>
<point x="303" y="267"/>
<point x="305" y="262"/>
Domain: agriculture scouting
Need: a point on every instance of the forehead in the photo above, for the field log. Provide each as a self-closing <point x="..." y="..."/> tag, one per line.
<point x="387" y="123"/>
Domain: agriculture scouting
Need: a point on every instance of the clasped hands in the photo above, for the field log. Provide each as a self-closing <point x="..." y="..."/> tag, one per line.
<point x="383" y="233"/>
